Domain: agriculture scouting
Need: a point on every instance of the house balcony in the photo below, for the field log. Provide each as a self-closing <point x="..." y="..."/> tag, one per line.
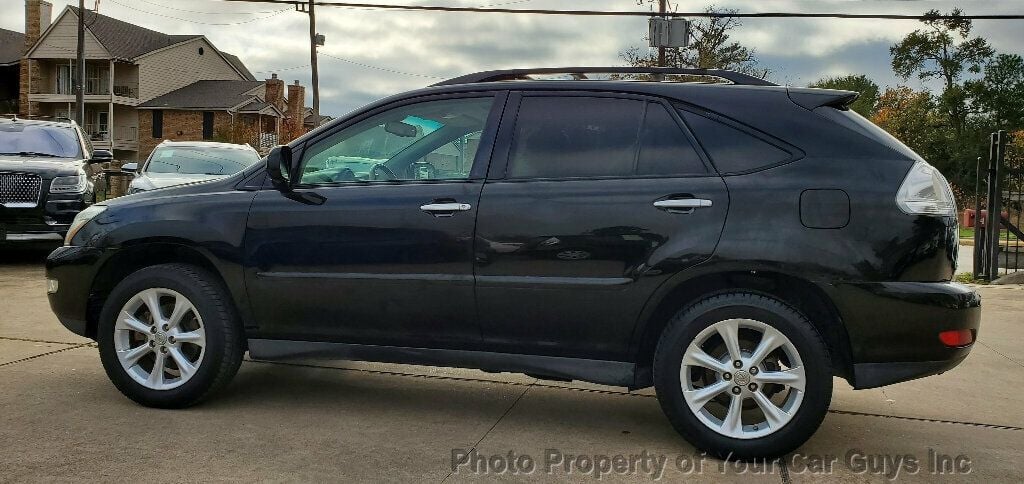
<point x="101" y="85"/>
<point x="121" y="138"/>
<point x="122" y="95"/>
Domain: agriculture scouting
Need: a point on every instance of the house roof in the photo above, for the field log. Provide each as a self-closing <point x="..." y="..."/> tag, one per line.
<point x="210" y="95"/>
<point x="12" y="45"/>
<point x="127" y="41"/>
<point x="239" y="66"/>
<point x="307" y="117"/>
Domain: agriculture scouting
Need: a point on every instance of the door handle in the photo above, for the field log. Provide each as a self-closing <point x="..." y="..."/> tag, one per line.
<point x="682" y="205"/>
<point x="445" y="209"/>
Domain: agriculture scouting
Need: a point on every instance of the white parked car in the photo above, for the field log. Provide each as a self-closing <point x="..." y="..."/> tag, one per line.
<point x="179" y="162"/>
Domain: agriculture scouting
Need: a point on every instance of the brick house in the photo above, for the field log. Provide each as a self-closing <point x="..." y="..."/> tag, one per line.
<point x="126" y="67"/>
<point x="11" y="47"/>
<point x="253" y="112"/>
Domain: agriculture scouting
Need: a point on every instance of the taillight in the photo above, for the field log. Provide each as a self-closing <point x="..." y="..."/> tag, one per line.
<point x="926" y="192"/>
<point x="957" y="337"/>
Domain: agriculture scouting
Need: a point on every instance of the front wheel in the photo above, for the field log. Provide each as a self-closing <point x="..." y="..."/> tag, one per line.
<point x="743" y="376"/>
<point x="168" y="336"/>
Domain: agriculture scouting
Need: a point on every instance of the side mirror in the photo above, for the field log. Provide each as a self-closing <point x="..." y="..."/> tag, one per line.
<point x="101" y="156"/>
<point x="130" y="167"/>
<point x="279" y="167"/>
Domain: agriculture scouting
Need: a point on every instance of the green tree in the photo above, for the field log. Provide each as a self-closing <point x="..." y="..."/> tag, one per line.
<point x="711" y="47"/>
<point x="868" y="89"/>
<point x="999" y="95"/>
<point x="943" y="50"/>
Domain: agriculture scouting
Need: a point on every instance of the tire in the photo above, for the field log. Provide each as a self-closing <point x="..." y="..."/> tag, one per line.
<point x="209" y="342"/>
<point x="708" y="426"/>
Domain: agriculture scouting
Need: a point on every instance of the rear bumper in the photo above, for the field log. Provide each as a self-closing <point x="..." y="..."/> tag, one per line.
<point x="894" y="327"/>
<point x="73" y="270"/>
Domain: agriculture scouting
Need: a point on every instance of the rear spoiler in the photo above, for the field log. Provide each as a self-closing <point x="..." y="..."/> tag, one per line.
<point x="811" y="98"/>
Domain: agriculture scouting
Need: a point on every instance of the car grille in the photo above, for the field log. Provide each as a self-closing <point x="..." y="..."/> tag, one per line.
<point x="19" y="189"/>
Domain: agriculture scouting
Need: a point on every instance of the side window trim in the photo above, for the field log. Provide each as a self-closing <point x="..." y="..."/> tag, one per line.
<point x="794" y="152"/>
<point x="480" y="160"/>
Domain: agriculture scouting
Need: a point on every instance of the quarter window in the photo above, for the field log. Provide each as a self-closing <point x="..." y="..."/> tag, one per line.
<point x="433" y="140"/>
<point x="732" y="150"/>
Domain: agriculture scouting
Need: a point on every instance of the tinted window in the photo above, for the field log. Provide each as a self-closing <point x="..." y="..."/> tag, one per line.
<point x="559" y="137"/>
<point x="434" y="140"/>
<point x="39" y="140"/>
<point x="664" y="148"/>
<point x="200" y="161"/>
<point x="730" y="149"/>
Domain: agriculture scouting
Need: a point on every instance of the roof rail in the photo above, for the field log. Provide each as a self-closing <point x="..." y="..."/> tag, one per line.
<point x="580" y="73"/>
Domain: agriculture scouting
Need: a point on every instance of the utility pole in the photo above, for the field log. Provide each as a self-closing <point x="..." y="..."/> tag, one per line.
<point x="661" y="49"/>
<point x="312" y="62"/>
<point x="80" y="68"/>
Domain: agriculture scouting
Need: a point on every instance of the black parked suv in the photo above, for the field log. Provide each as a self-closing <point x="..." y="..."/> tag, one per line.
<point x="43" y="180"/>
<point x="734" y="245"/>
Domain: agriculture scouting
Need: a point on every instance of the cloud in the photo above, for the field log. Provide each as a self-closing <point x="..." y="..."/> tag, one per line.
<point x="383" y="48"/>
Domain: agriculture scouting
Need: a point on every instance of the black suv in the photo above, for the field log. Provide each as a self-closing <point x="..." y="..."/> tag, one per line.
<point x="735" y="245"/>
<point x="43" y="180"/>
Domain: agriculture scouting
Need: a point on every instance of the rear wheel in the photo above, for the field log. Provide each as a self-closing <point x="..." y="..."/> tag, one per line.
<point x="742" y="376"/>
<point x="169" y="337"/>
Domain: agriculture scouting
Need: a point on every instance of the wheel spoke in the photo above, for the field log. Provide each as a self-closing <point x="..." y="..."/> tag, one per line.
<point x="775" y="415"/>
<point x="181" y="308"/>
<point x="730" y="332"/>
<point x="195" y="337"/>
<point x="793" y="377"/>
<point x="700" y="397"/>
<point x="131" y="357"/>
<point x="128" y="322"/>
<point x="695" y="356"/>
<point x="184" y="365"/>
<point x="156" y="377"/>
<point x="152" y="300"/>
<point x="733" y="423"/>
<point x="770" y="340"/>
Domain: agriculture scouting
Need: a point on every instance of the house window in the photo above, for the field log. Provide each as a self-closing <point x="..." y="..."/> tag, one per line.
<point x="207" y="124"/>
<point x="158" y="123"/>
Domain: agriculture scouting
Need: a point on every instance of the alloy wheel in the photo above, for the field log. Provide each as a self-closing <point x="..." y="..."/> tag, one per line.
<point x="742" y="378"/>
<point x="159" y="338"/>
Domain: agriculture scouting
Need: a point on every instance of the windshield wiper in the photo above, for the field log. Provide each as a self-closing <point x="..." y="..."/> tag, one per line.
<point x="32" y="153"/>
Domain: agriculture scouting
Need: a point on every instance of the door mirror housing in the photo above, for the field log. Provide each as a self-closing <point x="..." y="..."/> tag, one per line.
<point x="101" y="156"/>
<point x="279" y="167"/>
<point x="130" y="167"/>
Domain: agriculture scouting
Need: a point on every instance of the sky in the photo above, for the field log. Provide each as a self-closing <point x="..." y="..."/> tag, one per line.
<point x="370" y="54"/>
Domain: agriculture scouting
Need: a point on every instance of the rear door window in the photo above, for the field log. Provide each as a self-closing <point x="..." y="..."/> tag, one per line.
<point x="664" y="148"/>
<point x="730" y="149"/>
<point x="561" y="137"/>
<point x="586" y="137"/>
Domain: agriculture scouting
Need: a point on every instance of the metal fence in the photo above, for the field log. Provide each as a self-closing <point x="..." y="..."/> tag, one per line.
<point x="998" y="239"/>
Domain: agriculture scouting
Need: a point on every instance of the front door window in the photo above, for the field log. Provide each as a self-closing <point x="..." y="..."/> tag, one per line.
<point x="433" y="140"/>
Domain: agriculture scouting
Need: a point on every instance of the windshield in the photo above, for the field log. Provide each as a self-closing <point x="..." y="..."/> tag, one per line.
<point x="39" y="140"/>
<point x="200" y="160"/>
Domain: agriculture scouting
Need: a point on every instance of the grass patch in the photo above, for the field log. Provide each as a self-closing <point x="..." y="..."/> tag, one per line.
<point x="968" y="278"/>
<point x="968" y="233"/>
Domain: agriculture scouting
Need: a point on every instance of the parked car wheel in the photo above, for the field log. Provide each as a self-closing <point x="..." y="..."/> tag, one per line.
<point x="169" y="337"/>
<point x="742" y="375"/>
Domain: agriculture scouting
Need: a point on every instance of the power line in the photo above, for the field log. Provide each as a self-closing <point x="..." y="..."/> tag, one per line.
<point x="633" y="13"/>
<point x="276" y="13"/>
<point x="155" y="4"/>
<point x="385" y="69"/>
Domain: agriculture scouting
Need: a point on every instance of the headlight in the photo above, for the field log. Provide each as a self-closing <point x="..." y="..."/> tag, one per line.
<point x="926" y="192"/>
<point x="69" y="184"/>
<point x="81" y="219"/>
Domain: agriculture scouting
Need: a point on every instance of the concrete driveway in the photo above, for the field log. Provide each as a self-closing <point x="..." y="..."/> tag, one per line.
<point x="60" y="419"/>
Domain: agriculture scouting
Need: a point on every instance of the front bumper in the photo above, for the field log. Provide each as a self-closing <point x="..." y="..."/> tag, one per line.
<point x="894" y="327"/>
<point x="73" y="270"/>
<point x="49" y="220"/>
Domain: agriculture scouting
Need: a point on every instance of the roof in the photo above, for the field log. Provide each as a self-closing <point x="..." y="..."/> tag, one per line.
<point x="211" y="95"/>
<point x="239" y="66"/>
<point x="307" y="117"/>
<point x="12" y="45"/>
<point x="207" y="144"/>
<point x="127" y="41"/>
